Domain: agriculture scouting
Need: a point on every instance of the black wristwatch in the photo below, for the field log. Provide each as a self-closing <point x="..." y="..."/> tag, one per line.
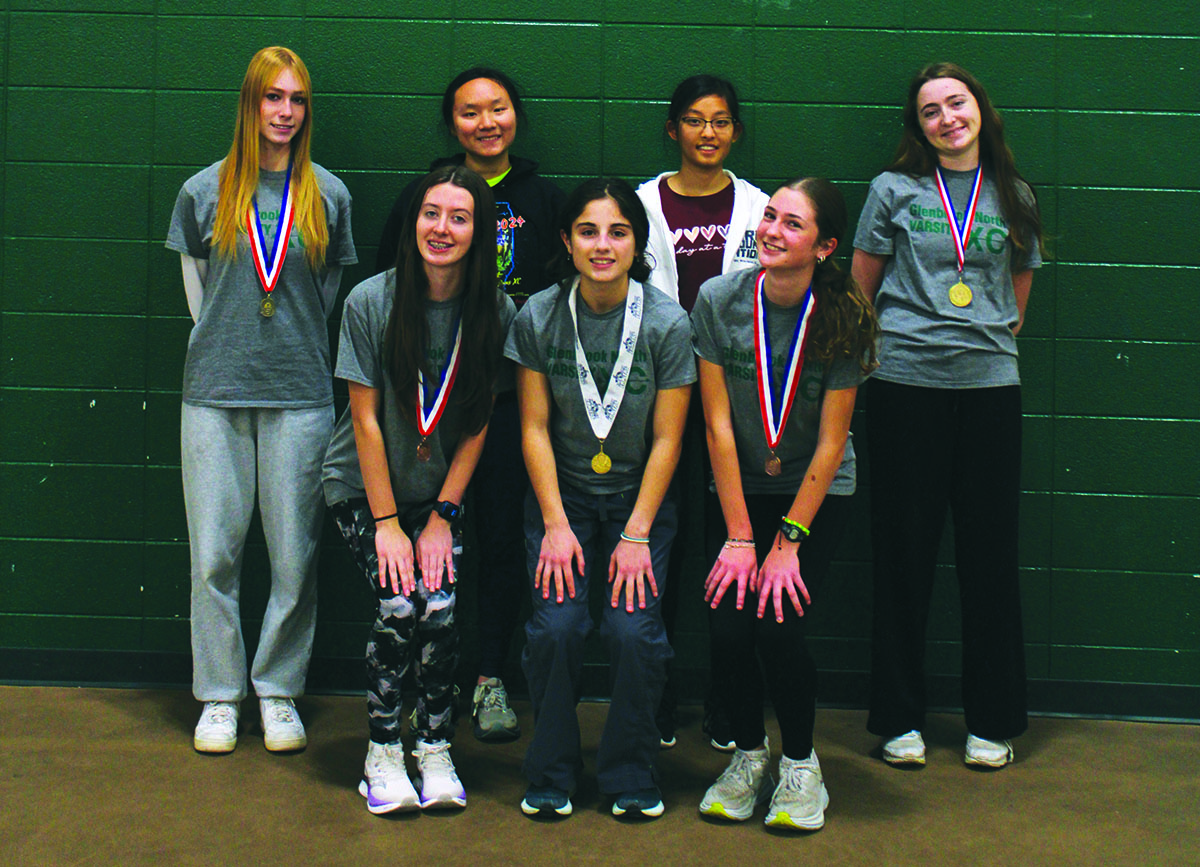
<point x="450" y="512"/>
<point x="790" y="532"/>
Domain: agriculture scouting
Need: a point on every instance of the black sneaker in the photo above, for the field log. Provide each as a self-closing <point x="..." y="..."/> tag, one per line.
<point x="719" y="730"/>
<point x="545" y="801"/>
<point x="646" y="803"/>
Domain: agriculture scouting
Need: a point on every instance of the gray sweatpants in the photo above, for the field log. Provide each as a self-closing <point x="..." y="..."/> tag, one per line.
<point x="227" y="453"/>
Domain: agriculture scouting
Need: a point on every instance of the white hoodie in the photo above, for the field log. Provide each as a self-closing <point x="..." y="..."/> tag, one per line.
<point x="740" y="249"/>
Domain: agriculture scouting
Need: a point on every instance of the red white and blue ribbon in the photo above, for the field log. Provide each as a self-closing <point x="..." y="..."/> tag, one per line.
<point x="430" y="407"/>
<point x="776" y="403"/>
<point x="960" y="231"/>
<point x="269" y="267"/>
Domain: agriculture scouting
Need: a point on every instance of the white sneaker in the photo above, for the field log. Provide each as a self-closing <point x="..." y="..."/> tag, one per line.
<point x="437" y="780"/>
<point x="218" y="728"/>
<point x="282" y="729"/>
<point x="905" y="749"/>
<point x="385" y="783"/>
<point x="800" y="798"/>
<point x="741" y="787"/>
<point x="987" y="754"/>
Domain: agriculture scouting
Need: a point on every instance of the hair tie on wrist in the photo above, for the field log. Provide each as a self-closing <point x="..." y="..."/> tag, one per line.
<point x="634" y="539"/>
<point x="387" y="517"/>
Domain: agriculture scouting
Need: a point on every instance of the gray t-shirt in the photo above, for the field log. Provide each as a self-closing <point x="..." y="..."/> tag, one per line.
<point x="542" y="339"/>
<point x="360" y="359"/>
<point x="236" y="357"/>
<point x="927" y="341"/>
<point x="723" y="328"/>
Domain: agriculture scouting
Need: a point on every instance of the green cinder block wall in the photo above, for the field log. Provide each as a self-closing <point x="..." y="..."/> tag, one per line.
<point x="108" y="105"/>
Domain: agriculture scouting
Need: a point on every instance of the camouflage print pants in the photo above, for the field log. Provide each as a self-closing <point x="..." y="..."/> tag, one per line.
<point x="416" y="631"/>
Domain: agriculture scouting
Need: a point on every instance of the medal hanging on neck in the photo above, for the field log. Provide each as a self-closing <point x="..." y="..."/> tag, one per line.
<point x="602" y="411"/>
<point x="431" y="407"/>
<point x="269" y="267"/>
<point x="776" y="409"/>
<point x="960" y="292"/>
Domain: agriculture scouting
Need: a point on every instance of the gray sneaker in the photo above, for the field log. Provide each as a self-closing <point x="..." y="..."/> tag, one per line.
<point x="745" y="784"/>
<point x="800" y="798"/>
<point x="494" y="720"/>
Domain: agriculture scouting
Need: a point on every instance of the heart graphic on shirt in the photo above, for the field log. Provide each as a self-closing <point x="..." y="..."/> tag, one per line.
<point x="724" y="231"/>
<point x="708" y="232"/>
<point x="691" y="234"/>
<point x="675" y="236"/>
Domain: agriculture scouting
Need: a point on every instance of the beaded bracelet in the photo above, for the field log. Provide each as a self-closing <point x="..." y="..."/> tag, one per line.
<point x="739" y="543"/>
<point x="803" y="529"/>
<point x="625" y="537"/>
<point x="386" y="517"/>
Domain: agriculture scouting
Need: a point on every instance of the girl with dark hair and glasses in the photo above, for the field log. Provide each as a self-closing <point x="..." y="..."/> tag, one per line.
<point x="702" y="222"/>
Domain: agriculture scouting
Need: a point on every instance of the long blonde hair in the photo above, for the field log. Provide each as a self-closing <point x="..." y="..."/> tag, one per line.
<point x="239" y="172"/>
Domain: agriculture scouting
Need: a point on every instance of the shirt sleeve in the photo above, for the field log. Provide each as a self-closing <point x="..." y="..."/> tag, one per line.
<point x="676" y="365"/>
<point x="359" y="360"/>
<point x="704" y="338"/>
<point x="184" y="235"/>
<point x="876" y="233"/>
<point x="521" y="345"/>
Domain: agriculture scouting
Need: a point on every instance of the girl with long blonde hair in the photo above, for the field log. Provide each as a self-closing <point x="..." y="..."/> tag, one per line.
<point x="263" y="236"/>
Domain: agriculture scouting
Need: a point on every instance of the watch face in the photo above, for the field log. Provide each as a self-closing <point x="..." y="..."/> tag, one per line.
<point x="792" y="534"/>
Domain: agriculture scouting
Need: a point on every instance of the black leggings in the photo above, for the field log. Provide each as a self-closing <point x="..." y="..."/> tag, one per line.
<point x="934" y="450"/>
<point x="782" y="656"/>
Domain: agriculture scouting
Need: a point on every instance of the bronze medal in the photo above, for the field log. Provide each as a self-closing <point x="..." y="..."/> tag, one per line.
<point x="267" y="307"/>
<point x="774" y="465"/>
<point x="424" y="453"/>
<point x="601" y="463"/>
<point x="960" y="294"/>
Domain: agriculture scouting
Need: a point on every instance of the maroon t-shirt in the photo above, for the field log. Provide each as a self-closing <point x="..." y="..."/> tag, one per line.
<point x="699" y="225"/>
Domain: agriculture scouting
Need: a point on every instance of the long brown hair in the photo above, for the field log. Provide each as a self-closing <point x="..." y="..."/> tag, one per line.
<point x="844" y="323"/>
<point x="916" y="156"/>
<point x="238" y="176"/>
<point x="407" y="333"/>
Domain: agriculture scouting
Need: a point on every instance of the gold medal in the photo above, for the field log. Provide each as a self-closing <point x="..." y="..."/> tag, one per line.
<point x="774" y="465"/>
<point x="960" y="294"/>
<point x="267" y="307"/>
<point x="601" y="463"/>
<point x="424" y="453"/>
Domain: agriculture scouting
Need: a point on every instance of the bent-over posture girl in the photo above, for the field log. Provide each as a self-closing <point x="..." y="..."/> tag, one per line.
<point x="420" y="348"/>
<point x="782" y="352"/>
<point x="604" y="379"/>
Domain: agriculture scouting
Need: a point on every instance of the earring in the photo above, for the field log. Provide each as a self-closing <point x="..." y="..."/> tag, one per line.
<point x="820" y="259"/>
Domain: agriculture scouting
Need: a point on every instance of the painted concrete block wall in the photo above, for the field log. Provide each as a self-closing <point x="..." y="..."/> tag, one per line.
<point x="109" y="105"/>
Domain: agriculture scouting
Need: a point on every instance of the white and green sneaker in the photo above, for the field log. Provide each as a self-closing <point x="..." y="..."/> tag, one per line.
<point x="494" y="720"/>
<point x="743" y="785"/>
<point x="800" y="798"/>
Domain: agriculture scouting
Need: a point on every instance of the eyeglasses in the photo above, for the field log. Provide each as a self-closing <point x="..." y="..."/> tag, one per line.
<point x="696" y="124"/>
